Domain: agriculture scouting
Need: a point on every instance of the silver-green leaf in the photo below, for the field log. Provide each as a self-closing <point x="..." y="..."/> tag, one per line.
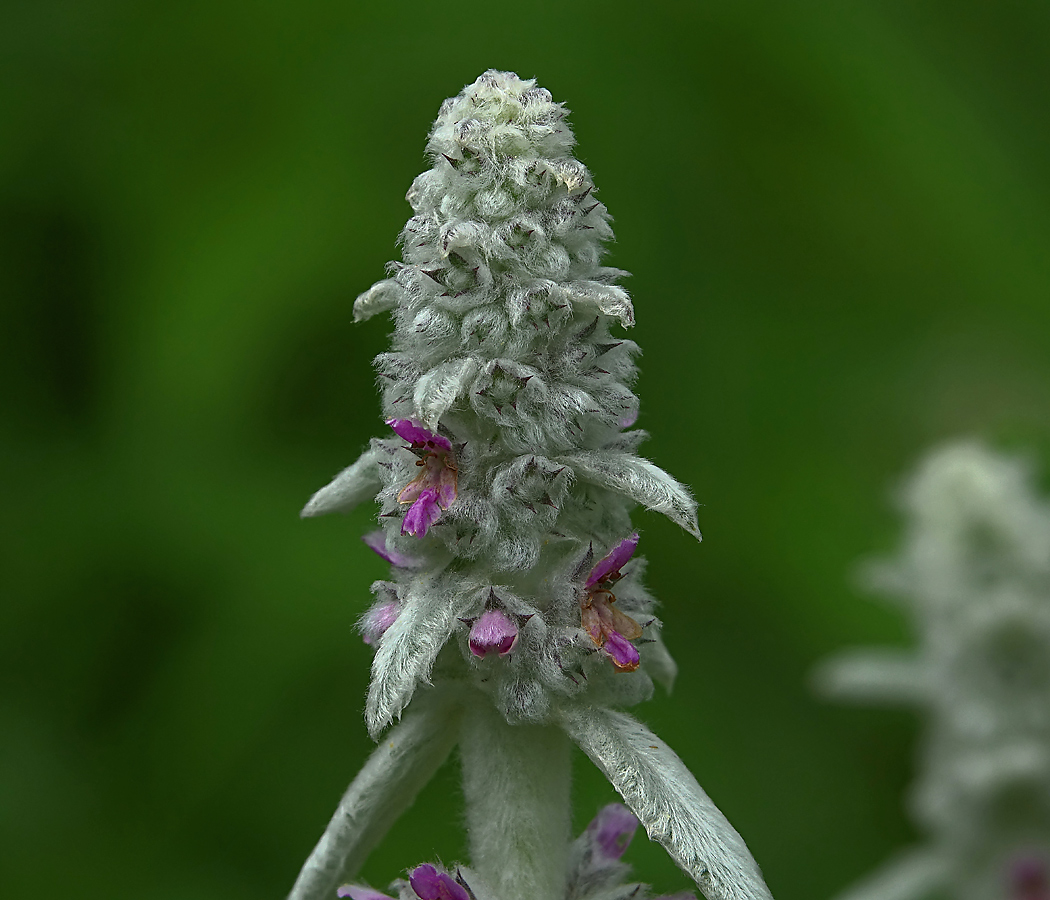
<point x="667" y="800"/>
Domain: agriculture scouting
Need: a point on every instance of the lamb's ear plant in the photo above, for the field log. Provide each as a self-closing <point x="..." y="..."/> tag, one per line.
<point x="514" y="622"/>
<point x="974" y="576"/>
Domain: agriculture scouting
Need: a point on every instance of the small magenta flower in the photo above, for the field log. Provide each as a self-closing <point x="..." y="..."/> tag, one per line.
<point x="493" y="632"/>
<point x="610" y="833"/>
<point x="1028" y="879"/>
<point x="609" y="628"/>
<point x="430" y="884"/>
<point x="432" y="491"/>
<point x="378" y="619"/>
<point x="426" y="881"/>
<point x="376" y="541"/>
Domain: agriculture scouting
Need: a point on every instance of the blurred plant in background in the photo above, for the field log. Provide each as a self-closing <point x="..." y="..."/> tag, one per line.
<point x="974" y="576"/>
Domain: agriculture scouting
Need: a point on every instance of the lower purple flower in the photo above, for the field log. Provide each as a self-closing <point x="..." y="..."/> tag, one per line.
<point x="610" y="832"/>
<point x="426" y="881"/>
<point x="622" y="652"/>
<point x="493" y="632"/>
<point x="423" y="513"/>
<point x="430" y="884"/>
<point x="376" y="541"/>
<point x="1029" y="879"/>
<point x="609" y="628"/>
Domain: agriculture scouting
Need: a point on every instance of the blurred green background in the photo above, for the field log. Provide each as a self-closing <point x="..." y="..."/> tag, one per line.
<point x="837" y="216"/>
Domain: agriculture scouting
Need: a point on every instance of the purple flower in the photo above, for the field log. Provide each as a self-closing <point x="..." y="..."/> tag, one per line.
<point x="376" y="541"/>
<point x="610" y="832"/>
<point x="357" y="892"/>
<point x="426" y="881"/>
<point x="430" y="884"/>
<point x="378" y="619"/>
<point x="622" y="652"/>
<point x="418" y="436"/>
<point x="609" y="628"/>
<point x="1029" y="879"/>
<point x="607" y="569"/>
<point x="493" y="632"/>
<point x="433" y="490"/>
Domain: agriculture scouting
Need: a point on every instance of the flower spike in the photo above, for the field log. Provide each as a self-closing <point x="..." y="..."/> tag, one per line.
<point x="509" y="385"/>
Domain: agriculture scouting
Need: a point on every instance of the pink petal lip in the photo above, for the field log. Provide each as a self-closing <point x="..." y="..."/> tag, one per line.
<point x="415" y="433"/>
<point x="446" y="487"/>
<point x="613" y="561"/>
<point x="622" y="652"/>
<point x="422" y="514"/>
<point x="376" y="541"/>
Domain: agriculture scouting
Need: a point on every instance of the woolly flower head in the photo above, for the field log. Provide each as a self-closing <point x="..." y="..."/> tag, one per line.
<point x="974" y="572"/>
<point x="505" y="475"/>
<point x="509" y="467"/>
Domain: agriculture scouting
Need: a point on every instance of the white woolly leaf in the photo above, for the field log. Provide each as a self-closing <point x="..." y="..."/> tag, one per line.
<point x="640" y="480"/>
<point x="407" y="651"/>
<point x="356" y="483"/>
<point x="438" y="389"/>
<point x="874" y="676"/>
<point x="909" y="876"/>
<point x="611" y="299"/>
<point x="669" y="803"/>
<point x="380" y="297"/>
<point x="387" y="785"/>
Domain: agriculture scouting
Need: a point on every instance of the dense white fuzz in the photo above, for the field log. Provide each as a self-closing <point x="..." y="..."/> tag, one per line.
<point x="505" y="480"/>
<point x="407" y="650"/>
<point x="355" y="484"/>
<point x="504" y="345"/>
<point x="974" y="573"/>
<point x="382" y="296"/>
<point x="396" y="771"/>
<point x="669" y="803"/>
<point x="640" y="480"/>
<point x="515" y="782"/>
<point x="436" y="391"/>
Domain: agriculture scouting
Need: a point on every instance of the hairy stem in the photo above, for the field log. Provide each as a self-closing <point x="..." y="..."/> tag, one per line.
<point x="516" y="781"/>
